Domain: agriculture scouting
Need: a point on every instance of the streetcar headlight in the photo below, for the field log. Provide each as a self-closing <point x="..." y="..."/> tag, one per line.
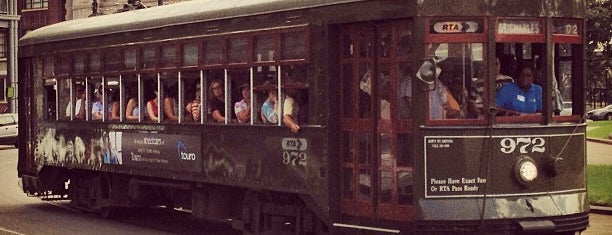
<point x="525" y="170"/>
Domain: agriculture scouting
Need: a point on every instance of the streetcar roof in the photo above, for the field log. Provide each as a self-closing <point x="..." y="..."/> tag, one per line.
<point x="164" y="16"/>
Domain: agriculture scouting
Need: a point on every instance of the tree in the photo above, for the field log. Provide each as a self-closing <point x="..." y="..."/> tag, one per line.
<point x="599" y="43"/>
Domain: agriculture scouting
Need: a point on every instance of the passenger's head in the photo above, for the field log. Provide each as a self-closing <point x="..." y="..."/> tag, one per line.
<point x="79" y="91"/>
<point x="245" y="91"/>
<point x="525" y="77"/>
<point x="171" y="91"/>
<point x="216" y="89"/>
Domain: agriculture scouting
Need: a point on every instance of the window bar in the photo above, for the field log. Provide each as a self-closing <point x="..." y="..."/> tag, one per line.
<point x="227" y="95"/>
<point x="251" y="106"/>
<point x="57" y="103"/>
<point x="202" y="97"/>
<point x="121" y="100"/>
<point x="159" y="101"/>
<point x="280" y="97"/>
<point x="87" y="99"/>
<point x="180" y="97"/>
<point x="70" y="99"/>
<point x="105" y="111"/>
<point x="140" y="97"/>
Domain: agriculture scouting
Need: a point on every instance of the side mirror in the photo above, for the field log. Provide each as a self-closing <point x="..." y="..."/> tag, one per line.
<point x="10" y="92"/>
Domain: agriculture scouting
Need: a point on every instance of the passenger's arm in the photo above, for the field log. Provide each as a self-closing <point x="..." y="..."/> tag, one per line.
<point x="217" y="116"/>
<point x="151" y="113"/>
<point x="129" y="110"/>
<point x="169" y="110"/>
<point x="115" y="111"/>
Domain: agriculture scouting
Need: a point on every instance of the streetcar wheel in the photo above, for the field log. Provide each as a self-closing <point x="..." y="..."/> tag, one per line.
<point x="608" y="116"/>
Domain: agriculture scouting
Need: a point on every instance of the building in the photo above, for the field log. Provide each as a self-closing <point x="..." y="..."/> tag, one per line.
<point x="9" y="20"/>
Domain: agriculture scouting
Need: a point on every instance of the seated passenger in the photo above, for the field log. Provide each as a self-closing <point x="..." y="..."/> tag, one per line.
<point x="442" y="103"/>
<point x="79" y="110"/>
<point x="114" y="107"/>
<point x="170" y="106"/>
<point x="217" y="101"/>
<point x="132" y="111"/>
<point x="97" y="109"/>
<point x="521" y="97"/>
<point x="152" y="108"/>
<point x="242" y="108"/>
<point x="193" y="107"/>
<point x="269" y="109"/>
<point x="291" y="109"/>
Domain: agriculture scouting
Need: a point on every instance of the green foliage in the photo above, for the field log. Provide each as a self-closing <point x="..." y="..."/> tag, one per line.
<point x="599" y="42"/>
<point x="599" y="186"/>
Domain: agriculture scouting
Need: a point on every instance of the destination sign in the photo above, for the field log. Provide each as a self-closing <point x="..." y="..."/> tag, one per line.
<point x="453" y="27"/>
<point x="565" y="27"/>
<point x="507" y="26"/>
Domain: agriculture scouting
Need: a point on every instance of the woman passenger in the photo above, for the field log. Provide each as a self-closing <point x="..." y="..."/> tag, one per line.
<point x="152" y="108"/>
<point x="114" y="106"/>
<point x="193" y="107"/>
<point x="217" y="101"/>
<point x="242" y="108"/>
<point x="132" y="111"/>
<point x="170" y="106"/>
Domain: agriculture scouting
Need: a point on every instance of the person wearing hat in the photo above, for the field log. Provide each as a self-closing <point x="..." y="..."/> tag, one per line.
<point x="242" y="108"/>
<point x="442" y="104"/>
<point x="97" y="110"/>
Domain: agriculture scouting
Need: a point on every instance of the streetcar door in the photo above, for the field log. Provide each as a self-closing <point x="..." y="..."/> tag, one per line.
<point x="375" y="109"/>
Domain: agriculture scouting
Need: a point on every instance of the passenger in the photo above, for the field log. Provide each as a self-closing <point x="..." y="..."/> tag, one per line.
<point x="269" y="111"/>
<point x="170" y="105"/>
<point x="79" y="112"/>
<point x="114" y="107"/>
<point x="132" y="111"/>
<point x="97" y="109"/>
<point x="152" y="108"/>
<point x="193" y="107"/>
<point x="500" y="79"/>
<point x="242" y="108"/>
<point x="217" y="101"/>
<point x="442" y="104"/>
<point x="290" y="114"/>
<point x="521" y="97"/>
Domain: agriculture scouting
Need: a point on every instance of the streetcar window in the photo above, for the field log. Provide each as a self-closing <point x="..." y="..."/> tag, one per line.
<point x="63" y="98"/>
<point x="95" y="101"/>
<point x="50" y="99"/>
<point x="111" y="91"/>
<point x="94" y="62"/>
<point x="457" y="90"/>
<point x="193" y="95"/>
<point x="562" y="85"/>
<point x="217" y="100"/>
<point x="190" y="54"/>
<point x="48" y="66"/>
<point x="213" y="52"/>
<point x="79" y="63"/>
<point x="63" y="65"/>
<point x="240" y="86"/>
<point x="169" y="105"/>
<point x="168" y="56"/>
<point x="112" y="60"/>
<point x="149" y="57"/>
<point x="264" y="48"/>
<point x="293" y="45"/>
<point x="150" y="96"/>
<point x="237" y="49"/>
<point x="132" y="107"/>
<point x="129" y="59"/>
<point x="79" y="98"/>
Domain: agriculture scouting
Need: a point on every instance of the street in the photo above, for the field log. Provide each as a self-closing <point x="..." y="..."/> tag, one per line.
<point x="20" y="214"/>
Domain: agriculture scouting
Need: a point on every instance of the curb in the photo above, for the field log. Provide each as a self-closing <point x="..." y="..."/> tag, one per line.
<point x="601" y="210"/>
<point x="602" y="141"/>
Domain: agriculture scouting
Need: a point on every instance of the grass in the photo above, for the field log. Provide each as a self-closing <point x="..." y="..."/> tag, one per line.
<point x="600" y="184"/>
<point x="602" y="130"/>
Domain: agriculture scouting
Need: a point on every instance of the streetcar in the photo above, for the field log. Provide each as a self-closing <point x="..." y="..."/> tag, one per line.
<point x="314" y="117"/>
